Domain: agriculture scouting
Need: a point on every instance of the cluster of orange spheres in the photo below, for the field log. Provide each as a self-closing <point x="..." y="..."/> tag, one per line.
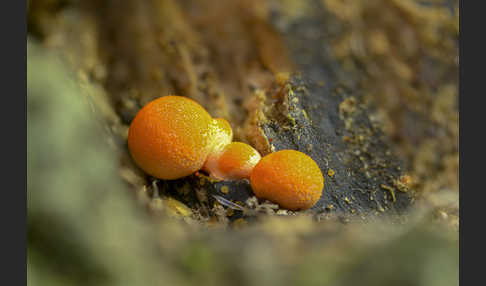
<point x="173" y="136"/>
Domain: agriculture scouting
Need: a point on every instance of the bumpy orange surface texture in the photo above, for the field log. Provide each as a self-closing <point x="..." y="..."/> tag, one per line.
<point x="289" y="178"/>
<point x="171" y="137"/>
<point x="235" y="161"/>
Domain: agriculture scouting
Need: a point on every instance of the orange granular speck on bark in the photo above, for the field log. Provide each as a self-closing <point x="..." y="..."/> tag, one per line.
<point x="330" y="172"/>
<point x="289" y="178"/>
<point x="171" y="137"/>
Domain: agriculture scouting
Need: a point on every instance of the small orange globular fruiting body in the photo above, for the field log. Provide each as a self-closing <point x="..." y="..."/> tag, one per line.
<point x="221" y="134"/>
<point x="172" y="136"/>
<point x="234" y="161"/>
<point x="289" y="178"/>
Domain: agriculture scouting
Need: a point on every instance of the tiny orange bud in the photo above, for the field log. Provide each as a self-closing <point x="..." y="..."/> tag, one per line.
<point x="221" y="133"/>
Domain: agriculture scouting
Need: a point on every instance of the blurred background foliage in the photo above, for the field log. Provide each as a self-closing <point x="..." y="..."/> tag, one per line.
<point x="91" y="219"/>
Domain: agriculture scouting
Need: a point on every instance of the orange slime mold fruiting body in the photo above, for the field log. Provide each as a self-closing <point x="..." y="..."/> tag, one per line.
<point x="221" y="133"/>
<point x="235" y="161"/>
<point x="289" y="178"/>
<point x="171" y="137"/>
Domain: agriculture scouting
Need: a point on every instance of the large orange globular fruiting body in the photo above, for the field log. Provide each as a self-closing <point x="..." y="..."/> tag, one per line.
<point x="172" y="136"/>
<point x="289" y="178"/>
<point x="234" y="161"/>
